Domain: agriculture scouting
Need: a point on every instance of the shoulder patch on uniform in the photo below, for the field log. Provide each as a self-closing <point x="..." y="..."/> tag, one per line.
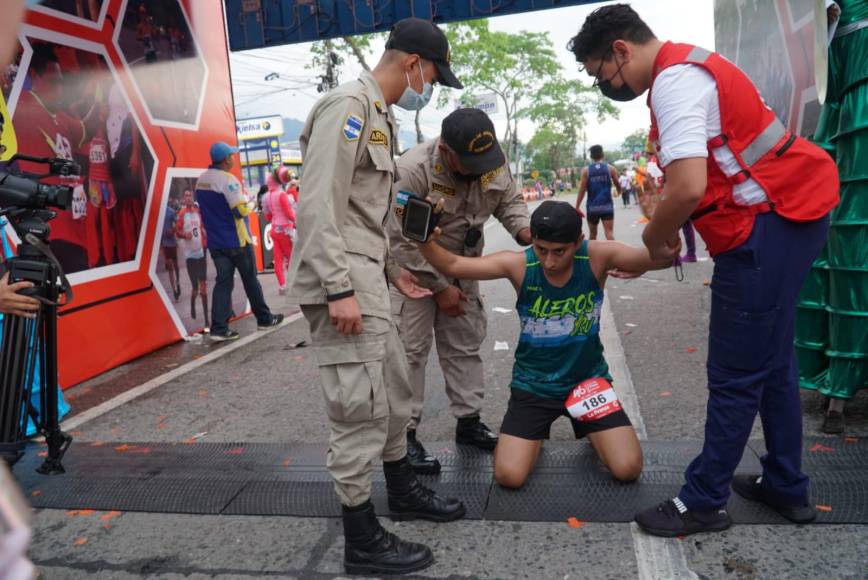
<point x="353" y="127"/>
<point x="378" y="138"/>
<point x="444" y="189"/>
<point x="488" y="177"/>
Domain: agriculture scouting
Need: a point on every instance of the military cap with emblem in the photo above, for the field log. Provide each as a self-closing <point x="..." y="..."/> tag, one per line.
<point x="423" y="37"/>
<point x="470" y="133"/>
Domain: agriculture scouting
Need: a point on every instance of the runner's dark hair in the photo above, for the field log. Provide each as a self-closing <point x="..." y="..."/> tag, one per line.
<point x="603" y="27"/>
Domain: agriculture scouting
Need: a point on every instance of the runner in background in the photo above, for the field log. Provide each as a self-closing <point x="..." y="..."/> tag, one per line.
<point x="190" y="230"/>
<point x="597" y="181"/>
<point x="277" y="205"/>
<point x="169" y="247"/>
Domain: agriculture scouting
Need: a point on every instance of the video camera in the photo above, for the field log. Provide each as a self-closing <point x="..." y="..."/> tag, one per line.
<point x="25" y="191"/>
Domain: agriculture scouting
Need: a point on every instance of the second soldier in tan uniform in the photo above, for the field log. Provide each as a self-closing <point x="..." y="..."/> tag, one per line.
<point x="466" y="168"/>
<point x="339" y="272"/>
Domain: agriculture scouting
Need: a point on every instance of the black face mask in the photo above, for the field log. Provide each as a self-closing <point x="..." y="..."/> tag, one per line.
<point x="622" y="93"/>
<point x="468" y="178"/>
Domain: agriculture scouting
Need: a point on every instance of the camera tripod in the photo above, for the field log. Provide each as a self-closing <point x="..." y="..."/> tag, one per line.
<point x="29" y="346"/>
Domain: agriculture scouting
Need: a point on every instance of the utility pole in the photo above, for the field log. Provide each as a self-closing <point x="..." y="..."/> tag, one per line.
<point x="330" y="79"/>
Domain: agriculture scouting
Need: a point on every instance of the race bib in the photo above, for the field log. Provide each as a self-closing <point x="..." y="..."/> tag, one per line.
<point x="79" y="202"/>
<point x="592" y="399"/>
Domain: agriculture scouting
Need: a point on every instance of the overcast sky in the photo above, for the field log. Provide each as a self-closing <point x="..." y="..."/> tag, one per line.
<point x="294" y="94"/>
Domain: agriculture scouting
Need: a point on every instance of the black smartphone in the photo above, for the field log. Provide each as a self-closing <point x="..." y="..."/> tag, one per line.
<point x="419" y="219"/>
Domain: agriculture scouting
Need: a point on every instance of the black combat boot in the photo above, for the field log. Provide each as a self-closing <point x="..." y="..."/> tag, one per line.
<point x="419" y="459"/>
<point x="370" y="549"/>
<point x="472" y="431"/>
<point x="409" y="499"/>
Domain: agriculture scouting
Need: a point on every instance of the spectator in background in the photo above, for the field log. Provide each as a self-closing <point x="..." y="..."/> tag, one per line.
<point x="278" y="209"/>
<point x="191" y="231"/>
<point x="626" y="187"/>
<point x="224" y="214"/>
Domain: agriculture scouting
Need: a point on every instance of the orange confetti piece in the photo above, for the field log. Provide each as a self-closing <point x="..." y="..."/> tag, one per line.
<point x="824" y="508"/>
<point x="79" y="542"/>
<point x="202" y="393"/>
<point x="122" y="448"/>
<point x="189" y="440"/>
<point x="575" y="523"/>
<point x="161" y="426"/>
<point x="820" y="447"/>
<point x="42" y="454"/>
<point x="666" y="393"/>
<point x="706" y="282"/>
<point x="691" y="349"/>
<point x="82" y="513"/>
<point x="110" y="515"/>
<point x="234" y="451"/>
<point x="287" y="461"/>
<point x="115" y="430"/>
<point x="162" y="418"/>
<point x="36" y="493"/>
<point x="851" y="439"/>
<point x="97" y="444"/>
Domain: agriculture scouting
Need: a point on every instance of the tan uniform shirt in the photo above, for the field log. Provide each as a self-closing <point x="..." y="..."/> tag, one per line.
<point x="348" y="147"/>
<point x="421" y="171"/>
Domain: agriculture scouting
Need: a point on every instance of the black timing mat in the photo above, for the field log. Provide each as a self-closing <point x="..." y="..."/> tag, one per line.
<point x="281" y="479"/>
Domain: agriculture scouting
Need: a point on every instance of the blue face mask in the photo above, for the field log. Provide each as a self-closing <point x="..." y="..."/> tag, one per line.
<point x="411" y="100"/>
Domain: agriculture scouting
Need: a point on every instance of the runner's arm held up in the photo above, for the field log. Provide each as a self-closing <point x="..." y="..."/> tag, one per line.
<point x="509" y="265"/>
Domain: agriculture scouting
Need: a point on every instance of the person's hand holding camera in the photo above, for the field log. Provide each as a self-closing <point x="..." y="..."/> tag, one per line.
<point x="13" y="303"/>
<point x="451" y="301"/>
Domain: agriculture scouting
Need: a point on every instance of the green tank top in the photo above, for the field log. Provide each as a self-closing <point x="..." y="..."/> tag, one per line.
<point x="559" y="345"/>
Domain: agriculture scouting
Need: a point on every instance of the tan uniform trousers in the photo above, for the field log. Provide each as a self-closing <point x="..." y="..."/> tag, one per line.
<point x="420" y="322"/>
<point x="367" y="396"/>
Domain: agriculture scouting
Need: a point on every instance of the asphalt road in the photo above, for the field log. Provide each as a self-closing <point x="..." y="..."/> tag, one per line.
<point x="268" y="391"/>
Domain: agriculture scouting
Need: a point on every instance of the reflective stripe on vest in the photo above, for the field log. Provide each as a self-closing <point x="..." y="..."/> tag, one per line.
<point x="763" y="142"/>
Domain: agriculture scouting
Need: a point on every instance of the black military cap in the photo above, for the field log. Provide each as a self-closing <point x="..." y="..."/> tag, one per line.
<point x="470" y="133"/>
<point x="556" y="221"/>
<point x="423" y="37"/>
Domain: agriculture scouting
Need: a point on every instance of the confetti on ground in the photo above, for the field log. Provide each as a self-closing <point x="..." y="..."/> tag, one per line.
<point x="234" y="451"/>
<point x="36" y="493"/>
<point x="500" y="310"/>
<point x="705" y="259"/>
<point x="161" y="426"/>
<point x="80" y="513"/>
<point x="691" y="349"/>
<point x="42" y="454"/>
<point x="851" y="439"/>
<point x="287" y="461"/>
<point x="626" y="332"/>
<point x="706" y="282"/>
<point x="202" y="393"/>
<point x="170" y="366"/>
<point x="631" y="325"/>
<point x="666" y="393"/>
<point x="79" y="541"/>
<point x="107" y="517"/>
<point x="626" y="297"/>
<point x="97" y="444"/>
<point x="498" y="345"/>
<point x="575" y="523"/>
<point x="824" y="508"/>
<point x="822" y="448"/>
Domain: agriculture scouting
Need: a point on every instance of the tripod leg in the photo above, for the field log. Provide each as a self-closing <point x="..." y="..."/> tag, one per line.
<point x="58" y="441"/>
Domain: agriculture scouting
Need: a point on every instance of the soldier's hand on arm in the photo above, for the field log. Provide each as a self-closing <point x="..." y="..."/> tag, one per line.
<point x="451" y="301"/>
<point x="346" y="315"/>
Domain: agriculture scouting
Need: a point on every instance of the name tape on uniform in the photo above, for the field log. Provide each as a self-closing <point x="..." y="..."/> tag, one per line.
<point x="592" y="399"/>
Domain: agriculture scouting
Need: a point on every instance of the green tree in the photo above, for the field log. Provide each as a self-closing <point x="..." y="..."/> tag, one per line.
<point x="635" y="141"/>
<point x="550" y="150"/>
<point x="509" y="65"/>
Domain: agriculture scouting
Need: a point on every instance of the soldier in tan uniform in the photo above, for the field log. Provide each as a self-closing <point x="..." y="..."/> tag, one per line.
<point x="466" y="168"/>
<point x="339" y="271"/>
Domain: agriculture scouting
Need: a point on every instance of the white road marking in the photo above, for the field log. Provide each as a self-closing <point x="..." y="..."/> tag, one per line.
<point x="656" y="558"/>
<point x="161" y="380"/>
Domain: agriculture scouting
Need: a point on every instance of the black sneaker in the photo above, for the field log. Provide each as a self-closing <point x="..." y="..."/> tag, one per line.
<point x="472" y="431"/>
<point x="418" y="457"/>
<point x="833" y="424"/>
<point x="750" y="487"/>
<point x="230" y="335"/>
<point x="672" y="518"/>
<point x="275" y="320"/>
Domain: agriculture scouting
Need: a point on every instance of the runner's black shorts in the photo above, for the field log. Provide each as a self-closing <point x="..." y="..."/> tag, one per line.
<point x="530" y="416"/>
<point x="197" y="268"/>
<point x="594" y="218"/>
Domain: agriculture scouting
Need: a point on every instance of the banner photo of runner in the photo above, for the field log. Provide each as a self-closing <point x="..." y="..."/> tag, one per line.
<point x="72" y="108"/>
<point x="130" y="90"/>
<point x="184" y="267"/>
<point x="773" y="42"/>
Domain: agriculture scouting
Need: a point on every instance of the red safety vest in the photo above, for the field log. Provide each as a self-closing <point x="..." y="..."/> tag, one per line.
<point x="799" y="178"/>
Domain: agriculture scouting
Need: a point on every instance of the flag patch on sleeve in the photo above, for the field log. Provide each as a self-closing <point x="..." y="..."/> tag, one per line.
<point x="353" y="127"/>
